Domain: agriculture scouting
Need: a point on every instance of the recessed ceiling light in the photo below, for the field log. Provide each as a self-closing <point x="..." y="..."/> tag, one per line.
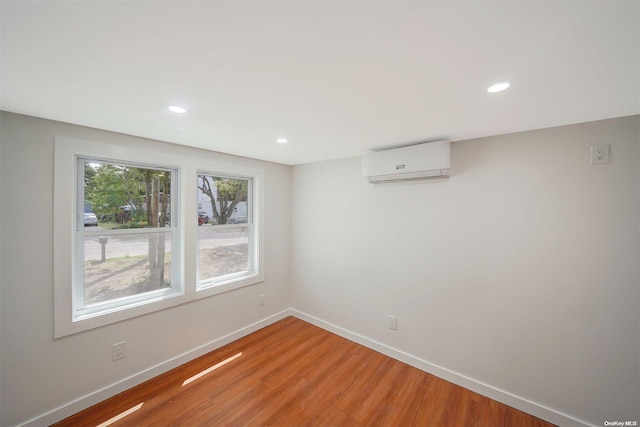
<point x="498" y="87"/>
<point x="282" y="140"/>
<point x="177" y="109"/>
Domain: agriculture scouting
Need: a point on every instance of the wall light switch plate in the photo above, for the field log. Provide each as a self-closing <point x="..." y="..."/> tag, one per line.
<point x="393" y="322"/>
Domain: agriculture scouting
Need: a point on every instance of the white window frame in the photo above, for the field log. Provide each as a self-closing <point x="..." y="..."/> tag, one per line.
<point x="232" y="169"/>
<point x="229" y="280"/>
<point x="188" y="162"/>
<point x="79" y="310"/>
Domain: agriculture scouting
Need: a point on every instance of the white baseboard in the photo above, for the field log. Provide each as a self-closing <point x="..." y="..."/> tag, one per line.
<point x="84" y="402"/>
<point x="489" y="391"/>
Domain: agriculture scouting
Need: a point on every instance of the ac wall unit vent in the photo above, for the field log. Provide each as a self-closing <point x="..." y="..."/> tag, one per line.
<point x="423" y="161"/>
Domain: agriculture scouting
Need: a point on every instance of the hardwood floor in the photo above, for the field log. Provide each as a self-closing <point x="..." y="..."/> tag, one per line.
<point x="292" y="373"/>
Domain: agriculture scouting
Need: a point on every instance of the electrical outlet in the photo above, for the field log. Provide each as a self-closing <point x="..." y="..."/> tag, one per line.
<point x="263" y="299"/>
<point x="118" y="351"/>
<point x="393" y="322"/>
<point x="599" y="154"/>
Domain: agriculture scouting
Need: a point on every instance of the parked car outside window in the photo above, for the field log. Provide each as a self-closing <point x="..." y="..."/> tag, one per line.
<point x="90" y="219"/>
<point x="203" y="218"/>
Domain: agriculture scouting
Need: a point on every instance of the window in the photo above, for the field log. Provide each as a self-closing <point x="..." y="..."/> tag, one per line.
<point x="123" y="251"/>
<point x="226" y="243"/>
<point x="125" y="234"/>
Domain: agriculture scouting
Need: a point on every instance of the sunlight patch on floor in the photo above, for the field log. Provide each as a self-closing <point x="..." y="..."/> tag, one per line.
<point x="214" y="367"/>
<point x="121" y="415"/>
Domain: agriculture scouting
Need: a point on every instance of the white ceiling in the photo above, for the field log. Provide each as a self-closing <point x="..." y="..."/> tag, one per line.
<point x="337" y="78"/>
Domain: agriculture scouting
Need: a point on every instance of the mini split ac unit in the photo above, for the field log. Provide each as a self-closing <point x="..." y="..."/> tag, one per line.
<point x="422" y="161"/>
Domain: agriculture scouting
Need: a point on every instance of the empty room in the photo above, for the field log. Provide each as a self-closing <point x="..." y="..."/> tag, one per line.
<point x="321" y="213"/>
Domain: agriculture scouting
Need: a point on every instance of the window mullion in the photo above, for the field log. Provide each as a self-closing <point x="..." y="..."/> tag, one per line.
<point x="126" y="231"/>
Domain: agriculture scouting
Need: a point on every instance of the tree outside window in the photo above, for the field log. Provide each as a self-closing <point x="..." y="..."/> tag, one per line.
<point x="225" y="239"/>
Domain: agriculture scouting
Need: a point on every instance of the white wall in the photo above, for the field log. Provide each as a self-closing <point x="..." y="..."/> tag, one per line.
<point x="1" y="257"/>
<point x="38" y="373"/>
<point x="520" y="271"/>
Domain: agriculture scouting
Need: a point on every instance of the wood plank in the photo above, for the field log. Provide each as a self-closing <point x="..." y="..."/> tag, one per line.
<point x="292" y="373"/>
